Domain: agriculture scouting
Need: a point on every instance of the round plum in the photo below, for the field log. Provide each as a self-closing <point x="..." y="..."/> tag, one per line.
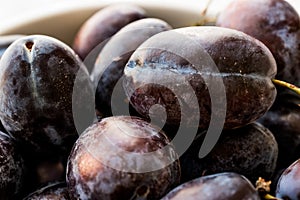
<point x="122" y="157"/>
<point x="104" y="24"/>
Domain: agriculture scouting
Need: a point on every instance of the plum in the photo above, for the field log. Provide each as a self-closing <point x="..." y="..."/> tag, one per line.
<point x="37" y="82"/>
<point x="283" y="121"/>
<point x="104" y="24"/>
<point x="113" y="57"/>
<point x="250" y="150"/>
<point x="222" y="66"/>
<point x="288" y="186"/>
<point x="225" y="186"/>
<point x="274" y="22"/>
<point x="122" y="157"/>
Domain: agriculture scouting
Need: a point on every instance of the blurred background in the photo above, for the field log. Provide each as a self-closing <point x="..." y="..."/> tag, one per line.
<point x="16" y="15"/>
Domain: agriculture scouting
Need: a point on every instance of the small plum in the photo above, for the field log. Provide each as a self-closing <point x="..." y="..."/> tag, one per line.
<point x="225" y="186"/>
<point x="104" y="24"/>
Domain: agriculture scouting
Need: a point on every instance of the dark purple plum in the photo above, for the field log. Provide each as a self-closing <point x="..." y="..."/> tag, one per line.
<point x="11" y="168"/>
<point x="104" y="24"/>
<point x="283" y="121"/>
<point x="274" y="22"/>
<point x="225" y="186"/>
<point x="37" y="80"/>
<point x="250" y="150"/>
<point x="201" y="57"/>
<point x="288" y="186"/>
<point x="54" y="191"/>
<point x="122" y="157"/>
<point x="113" y="57"/>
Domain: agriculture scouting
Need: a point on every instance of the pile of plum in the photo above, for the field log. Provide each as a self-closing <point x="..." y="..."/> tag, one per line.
<point x="202" y="119"/>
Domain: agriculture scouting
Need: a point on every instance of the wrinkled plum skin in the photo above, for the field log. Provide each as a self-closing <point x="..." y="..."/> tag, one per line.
<point x="119" y="48"/>
<point x="37" y="78"/>
<point x="11" y="168"/>
<point x="88" y="177"/>
<point x="274" y="22"/>
<point x="225" y="186"/>
<point x="247" y="79"/>
<point x="288" y="186"/>
<point x="283" y="121"/>
<point x="251" y="151"/>
<point x="55" y="191"/>
<point x="104" y="24"/>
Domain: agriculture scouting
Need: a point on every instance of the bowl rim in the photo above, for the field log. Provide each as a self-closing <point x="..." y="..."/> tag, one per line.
<point x="66" y="8"/>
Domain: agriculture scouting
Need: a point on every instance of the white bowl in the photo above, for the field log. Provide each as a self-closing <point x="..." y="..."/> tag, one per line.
<point x="62" y="20"/>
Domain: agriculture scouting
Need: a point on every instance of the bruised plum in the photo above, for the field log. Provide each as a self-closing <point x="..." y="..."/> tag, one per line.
<point x="113" y="57"/>
<point x="122" y="157"/>
<point x="274" y="22"/>
<point x="288" y="186"/>
<point x="283" y="121"/>
<point x="37" y="76"/>
<point x="55" y="191"/>
<point x="6" y="40"/>
<point x="251" y="151"/>
<point x="11" y="168"/>
<point x="104" y="24"/>
<point x="225" y="186"/>
<point x="221" y="65"/>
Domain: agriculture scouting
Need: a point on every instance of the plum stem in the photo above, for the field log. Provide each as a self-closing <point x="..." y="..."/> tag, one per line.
<point x="287" y="85"/>
<point x="263" y="188"/>
<point x="270" y="197"/>
<point x="203" y="14"/>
